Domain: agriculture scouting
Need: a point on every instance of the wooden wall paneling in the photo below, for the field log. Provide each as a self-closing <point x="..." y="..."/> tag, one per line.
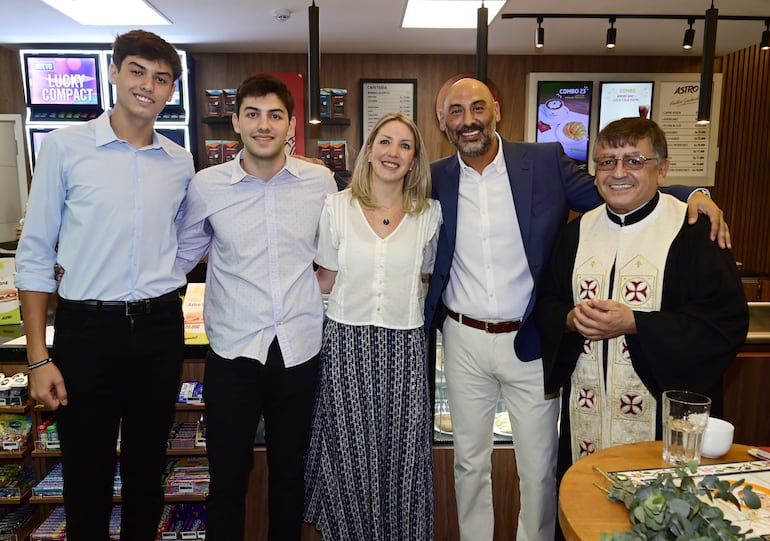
<point x="12" y="100"/>
<point x="445" y="516"/>
<point x="747" y="401"/>
<point x="764" y="289"/>
<point x="505" y="493"/>
<point x="742" y="185"/>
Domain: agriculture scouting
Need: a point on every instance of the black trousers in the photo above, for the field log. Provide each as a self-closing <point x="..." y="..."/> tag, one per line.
<point x="121" y="373"/>
<point x="236" y="392"/>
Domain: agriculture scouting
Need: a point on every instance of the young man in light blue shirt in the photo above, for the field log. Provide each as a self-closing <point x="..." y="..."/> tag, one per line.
<point x="257" y="217"/>
<point x="102" y="206"/>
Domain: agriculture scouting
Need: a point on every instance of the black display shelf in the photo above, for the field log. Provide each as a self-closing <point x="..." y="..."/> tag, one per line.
<point x="335" y="122"/>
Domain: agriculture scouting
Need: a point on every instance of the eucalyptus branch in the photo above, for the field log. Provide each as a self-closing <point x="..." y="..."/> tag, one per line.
<point x="663" y="509"/>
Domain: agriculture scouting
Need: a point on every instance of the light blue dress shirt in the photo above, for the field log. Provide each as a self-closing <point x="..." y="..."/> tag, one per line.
<point x="104" y="211"/>
<point x="261" y="237"/>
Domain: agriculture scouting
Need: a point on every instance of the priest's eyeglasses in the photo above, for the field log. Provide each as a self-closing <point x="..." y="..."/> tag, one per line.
<point x="630" y="163"/>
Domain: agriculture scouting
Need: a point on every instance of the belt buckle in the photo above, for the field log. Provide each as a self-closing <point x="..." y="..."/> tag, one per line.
<point x="137" y="308"/>
<point x="486" y="327"/>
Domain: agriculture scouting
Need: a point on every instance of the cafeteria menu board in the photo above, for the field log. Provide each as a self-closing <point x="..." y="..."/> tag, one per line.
<point x="382" y="96"/>
<point x="688" y="142"/>
<point x="563" y="115"/>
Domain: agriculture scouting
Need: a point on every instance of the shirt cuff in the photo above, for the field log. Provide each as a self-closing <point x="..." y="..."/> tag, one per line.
<point x="703" y="190"/>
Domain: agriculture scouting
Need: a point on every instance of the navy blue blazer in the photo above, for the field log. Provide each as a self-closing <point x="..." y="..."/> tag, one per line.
<point x="545" y="184"/>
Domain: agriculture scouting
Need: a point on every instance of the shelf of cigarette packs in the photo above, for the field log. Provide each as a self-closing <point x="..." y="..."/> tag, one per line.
<point x="178" y="521"/>
<point x="442" y="419"/>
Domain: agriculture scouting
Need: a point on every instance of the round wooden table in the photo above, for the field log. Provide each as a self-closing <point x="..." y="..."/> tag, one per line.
<point x="584" y="510"/>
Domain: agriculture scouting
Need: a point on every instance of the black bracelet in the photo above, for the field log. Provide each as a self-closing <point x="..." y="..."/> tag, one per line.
<point x="39" y="363"/>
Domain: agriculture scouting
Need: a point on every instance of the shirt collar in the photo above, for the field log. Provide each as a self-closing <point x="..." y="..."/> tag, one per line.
<point x="634" y="216"/>
<point x="239" y="173"/>
<point x="498" y="161"/>
<point x="104" y="134"/>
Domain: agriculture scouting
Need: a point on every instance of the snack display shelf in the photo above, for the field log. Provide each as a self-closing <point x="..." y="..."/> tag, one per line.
<point x="168" y="498"/>
<point x="195" y="451"/>
<point x="190" y="406"/>
<point x="23" y="408"/>
<point x="13" y="449"/>
<point x="22" y="497"/>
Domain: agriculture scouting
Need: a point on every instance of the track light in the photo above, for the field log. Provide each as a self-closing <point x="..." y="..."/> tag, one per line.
<point x="313" y="66"/>
<point x="482" y="42"/>
<point x="539" y="34"/>
<point x="707" y="65"/>
<point x="765" y="43"/>
<point x="612" y="34"/>
<point x="689" y="35"/>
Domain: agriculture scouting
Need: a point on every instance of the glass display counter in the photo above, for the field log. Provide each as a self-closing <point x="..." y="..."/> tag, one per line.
<point x="442" y="418"/>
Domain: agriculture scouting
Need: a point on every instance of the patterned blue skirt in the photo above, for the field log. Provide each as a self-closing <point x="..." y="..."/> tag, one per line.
<point x="369" y="471"/>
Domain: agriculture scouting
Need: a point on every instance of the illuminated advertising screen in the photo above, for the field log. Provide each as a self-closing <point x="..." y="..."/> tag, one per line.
<point x="624" y="99"/>
<point x="35" y="139"/>
<point x="62" y="80"/>
<point x="564" y="115"/>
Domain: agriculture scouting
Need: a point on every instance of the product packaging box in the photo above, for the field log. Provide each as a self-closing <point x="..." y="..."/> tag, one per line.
<point x="192" y="308"/>
<point x="230" y="150"/>
<point x="339" y="95"/>
<point x="214" y="105"/>
<point x="228" y="101"/>
<point x="213" y="152"/>
<point x="10" y="313"/>
<point x="325" y="103"/>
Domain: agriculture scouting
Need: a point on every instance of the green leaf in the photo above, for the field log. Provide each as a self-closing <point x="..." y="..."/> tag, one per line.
<point x="750" y="498"/>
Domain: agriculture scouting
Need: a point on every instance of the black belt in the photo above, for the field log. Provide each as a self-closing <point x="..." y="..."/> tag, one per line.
<point x="130" y="308"/>
<point x="499" y="327"/>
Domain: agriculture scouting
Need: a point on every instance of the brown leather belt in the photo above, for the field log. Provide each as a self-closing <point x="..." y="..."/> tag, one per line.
<point x="499" y="327"/>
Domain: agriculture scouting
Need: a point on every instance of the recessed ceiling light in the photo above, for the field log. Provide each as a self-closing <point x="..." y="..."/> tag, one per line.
<point x="110" y="12"/>
<point x="447" y="13"/>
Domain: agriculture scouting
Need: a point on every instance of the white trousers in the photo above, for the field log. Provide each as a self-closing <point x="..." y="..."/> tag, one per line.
<point x="479" y="366"/>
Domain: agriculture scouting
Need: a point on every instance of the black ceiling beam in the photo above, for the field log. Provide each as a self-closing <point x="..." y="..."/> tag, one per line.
<point x="629" y="16"/>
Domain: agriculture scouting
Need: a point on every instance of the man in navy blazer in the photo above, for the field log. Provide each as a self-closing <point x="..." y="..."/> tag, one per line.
<point x="503" y="204"/>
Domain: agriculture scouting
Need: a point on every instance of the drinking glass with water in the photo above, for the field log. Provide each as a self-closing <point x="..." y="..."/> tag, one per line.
<point x="685" y="415"/>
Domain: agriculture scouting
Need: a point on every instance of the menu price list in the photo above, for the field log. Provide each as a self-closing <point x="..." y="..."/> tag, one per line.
<point x="381" y="97"/>
<point x="688" y="142"/>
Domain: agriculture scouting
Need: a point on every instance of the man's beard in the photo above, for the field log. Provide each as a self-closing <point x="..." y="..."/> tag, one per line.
<point x="476" y="148"/>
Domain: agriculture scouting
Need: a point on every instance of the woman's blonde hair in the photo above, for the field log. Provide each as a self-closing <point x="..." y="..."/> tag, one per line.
<point x="416" y="181"/>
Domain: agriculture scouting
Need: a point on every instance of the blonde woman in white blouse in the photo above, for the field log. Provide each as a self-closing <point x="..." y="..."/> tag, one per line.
<point x="369" y="467"/>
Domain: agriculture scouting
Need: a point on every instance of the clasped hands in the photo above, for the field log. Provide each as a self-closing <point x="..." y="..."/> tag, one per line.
<point x="599" y="319"/>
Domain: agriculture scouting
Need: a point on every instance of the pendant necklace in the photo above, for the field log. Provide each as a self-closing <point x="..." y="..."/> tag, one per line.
<point x="386" y="222"/>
